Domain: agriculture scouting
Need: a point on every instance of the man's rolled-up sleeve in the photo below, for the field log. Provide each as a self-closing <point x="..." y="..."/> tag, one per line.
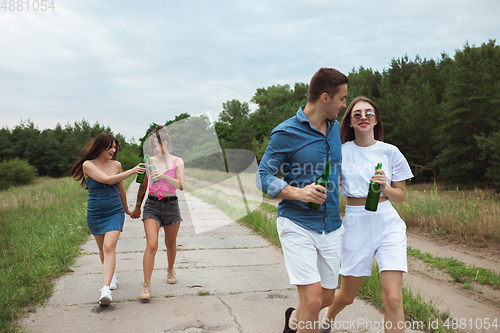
<point x="276" y="153"/>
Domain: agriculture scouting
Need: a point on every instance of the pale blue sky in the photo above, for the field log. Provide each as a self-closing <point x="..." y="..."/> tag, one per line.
<point x="127" y="64"/>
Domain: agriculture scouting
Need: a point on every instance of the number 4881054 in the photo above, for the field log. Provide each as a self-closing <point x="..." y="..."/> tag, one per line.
<point x="27" y="5"/>
<point x="478" y="323"/>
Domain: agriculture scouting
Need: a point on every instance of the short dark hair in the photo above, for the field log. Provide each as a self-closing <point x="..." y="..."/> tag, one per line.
<point x="326" y="80"/>
<point x="347" y="132"/>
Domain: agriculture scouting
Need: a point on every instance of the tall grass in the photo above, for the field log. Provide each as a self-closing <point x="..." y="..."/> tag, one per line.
<point x="212" y="176"/>
<point x="472" y="216"/>
<point x="41" y="227"/>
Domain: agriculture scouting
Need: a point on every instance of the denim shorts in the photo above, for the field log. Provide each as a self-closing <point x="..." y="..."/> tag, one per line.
<point x="165" y="211"/>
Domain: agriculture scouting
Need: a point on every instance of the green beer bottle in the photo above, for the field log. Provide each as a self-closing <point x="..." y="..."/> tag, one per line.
<point x="323" y="181"/>
<point x="151" y="168"/>
<point x="140" y="177"/>
<point x="374" y="190"/>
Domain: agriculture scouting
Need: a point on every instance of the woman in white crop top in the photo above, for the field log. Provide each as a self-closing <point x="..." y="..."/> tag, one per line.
<point x="381" y="233"/>
<point x="162" y="205"/>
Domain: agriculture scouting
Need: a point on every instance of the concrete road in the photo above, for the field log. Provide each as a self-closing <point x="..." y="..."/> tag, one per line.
<point x="229" y="280"/>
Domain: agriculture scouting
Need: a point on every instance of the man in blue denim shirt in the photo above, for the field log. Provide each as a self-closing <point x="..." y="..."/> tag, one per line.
<point x="300" y="147"/>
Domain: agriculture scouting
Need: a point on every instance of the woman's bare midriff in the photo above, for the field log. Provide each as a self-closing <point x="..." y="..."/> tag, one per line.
<point x="361" y="201"/>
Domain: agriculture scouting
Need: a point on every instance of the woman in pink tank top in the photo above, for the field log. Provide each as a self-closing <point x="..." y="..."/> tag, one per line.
<point x="162" y="206"/>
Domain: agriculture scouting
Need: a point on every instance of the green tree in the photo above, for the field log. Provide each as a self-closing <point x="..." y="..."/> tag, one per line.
<point x="45" y="154"/>
<point x="409" y="103"/>
<point x="275" y="104"/>
<point x="364" y="82"/>
<point x="398" y="87"/>
<point x="242" y="135"/>
<point x="224" y="131"/>
<point x="52" y="151"/>
<point x="232" y="111"/>
<point x="6" y="145"/>
<point x="178" y="118"/>
<point x="129" y="156"/>
<point x="21" y="136"/>
<point x="490" y="152"/>
<point x="259" y="148"/>
<point x="74" y="140"/>
<point x="470" y="109"/>
<point x="417" y="125"/>
<point x="233" y="127"/>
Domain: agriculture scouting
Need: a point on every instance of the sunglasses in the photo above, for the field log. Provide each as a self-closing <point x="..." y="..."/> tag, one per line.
<point x="368" y="115"/>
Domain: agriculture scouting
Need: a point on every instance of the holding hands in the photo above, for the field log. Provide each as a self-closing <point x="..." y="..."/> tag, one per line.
<point x="136" y="213"/>
<point x="138" y="169"/>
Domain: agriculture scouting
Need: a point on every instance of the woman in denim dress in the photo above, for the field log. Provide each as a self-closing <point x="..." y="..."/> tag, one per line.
<point x="102" y="176"/>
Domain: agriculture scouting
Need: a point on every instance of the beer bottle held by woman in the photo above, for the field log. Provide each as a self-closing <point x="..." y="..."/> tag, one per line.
<point x="140" y="176"/>
<point x="151" y="168"/>
<point x="373" y="196"/>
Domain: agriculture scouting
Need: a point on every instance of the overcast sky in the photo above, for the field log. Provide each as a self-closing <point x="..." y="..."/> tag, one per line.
<point x="127" y="64"/>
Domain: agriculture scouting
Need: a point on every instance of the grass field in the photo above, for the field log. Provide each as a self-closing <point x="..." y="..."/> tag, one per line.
<point x="472" y="216"/>
<point x="41" y="227"/>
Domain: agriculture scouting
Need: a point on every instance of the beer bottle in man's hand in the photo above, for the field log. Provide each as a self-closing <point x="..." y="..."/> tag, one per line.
<point x="323" y="181"/>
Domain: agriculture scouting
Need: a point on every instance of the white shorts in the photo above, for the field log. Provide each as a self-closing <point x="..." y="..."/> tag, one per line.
<point x="310" y="257"/>
<point x="381" y="233"/>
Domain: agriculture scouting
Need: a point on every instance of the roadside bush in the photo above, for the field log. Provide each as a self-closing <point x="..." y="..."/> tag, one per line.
<point x="128" y="157"/>
<point x="16" y="172"/>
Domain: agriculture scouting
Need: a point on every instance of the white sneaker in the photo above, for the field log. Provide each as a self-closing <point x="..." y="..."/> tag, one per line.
<point x="105" y="296"/>
<point x="114" y="284"/>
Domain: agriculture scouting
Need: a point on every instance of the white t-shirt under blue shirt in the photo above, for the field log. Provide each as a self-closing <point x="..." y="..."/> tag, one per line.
<point x="358" y="166"/>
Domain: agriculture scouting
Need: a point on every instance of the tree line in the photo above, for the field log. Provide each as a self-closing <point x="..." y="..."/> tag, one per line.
<point x="51" y="152"/>
<point x="442" y="114"/>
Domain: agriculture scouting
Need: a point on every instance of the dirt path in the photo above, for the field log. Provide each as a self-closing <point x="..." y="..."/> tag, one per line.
<point x="473" y="308"/>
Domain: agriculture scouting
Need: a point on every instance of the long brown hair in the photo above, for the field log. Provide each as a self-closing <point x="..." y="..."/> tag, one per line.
<point x="160" y="134"/>
<point x="91" y="150"/>
<point x="347" y="132"/>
